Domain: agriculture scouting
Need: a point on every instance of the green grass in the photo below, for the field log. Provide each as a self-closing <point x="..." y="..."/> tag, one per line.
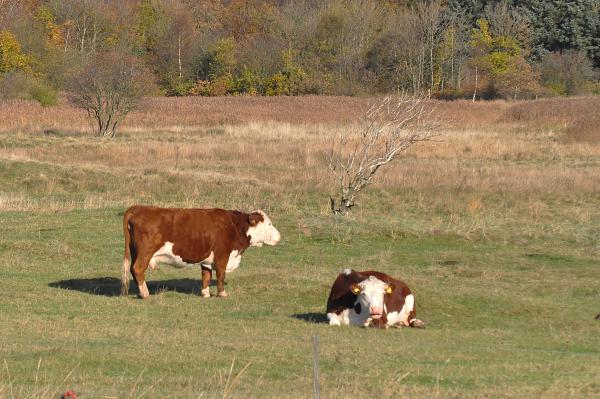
<point x="502" y="321"/>
<point x="508" y="286"/>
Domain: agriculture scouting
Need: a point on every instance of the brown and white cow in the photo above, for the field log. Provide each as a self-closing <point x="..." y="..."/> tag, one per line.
<point x="371" y="299"/>
<point x="209" y="238"/>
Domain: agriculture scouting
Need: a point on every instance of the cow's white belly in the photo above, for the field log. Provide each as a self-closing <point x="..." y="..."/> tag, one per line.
<point x="166" y="256"/>
<point x="348" y="317"/>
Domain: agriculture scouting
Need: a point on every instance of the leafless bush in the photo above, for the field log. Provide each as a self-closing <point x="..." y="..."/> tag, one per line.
<point x="389" y="127"/>
<point x="108" y="88"/>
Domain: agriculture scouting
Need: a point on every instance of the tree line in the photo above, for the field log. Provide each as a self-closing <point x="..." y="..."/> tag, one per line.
<point x="442" y="49"/>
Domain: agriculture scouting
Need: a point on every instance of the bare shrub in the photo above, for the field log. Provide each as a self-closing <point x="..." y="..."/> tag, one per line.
<point x="108" y="88"/>
<point x="389" y="127"/>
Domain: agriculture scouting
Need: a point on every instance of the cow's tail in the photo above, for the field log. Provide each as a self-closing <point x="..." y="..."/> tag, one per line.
<point x="129" y="251"/>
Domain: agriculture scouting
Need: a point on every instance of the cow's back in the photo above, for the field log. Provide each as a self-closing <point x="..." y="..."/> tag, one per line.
<point x="195" y="232"/>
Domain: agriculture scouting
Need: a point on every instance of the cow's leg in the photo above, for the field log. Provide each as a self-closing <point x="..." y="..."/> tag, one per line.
<point x="413" y="321"/>
<point x="334" y="320"/>
<point x="221" y="283"/>
<point x="338" y="319"/>
<point x="139" y="274"/>
<point x="206" y="275"/>
<point x="220" y="267"/>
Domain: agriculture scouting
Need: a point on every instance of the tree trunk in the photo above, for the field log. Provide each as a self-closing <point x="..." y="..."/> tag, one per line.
<point x="179" y="53"/>
<point x="475" y="91"/>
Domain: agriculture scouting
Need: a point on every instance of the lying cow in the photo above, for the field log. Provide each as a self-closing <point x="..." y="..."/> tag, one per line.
<point x="371" y="299"/>
<point x="209" y="238"/>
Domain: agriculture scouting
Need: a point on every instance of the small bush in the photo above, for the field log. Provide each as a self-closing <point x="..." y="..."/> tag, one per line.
<point x="180" y="88"/>
<point x="556" y="88"/>
<point x="23" y="86"/>
<point x="248" y="83"/>
<point x="200" y="88"/>
<point x="221" y="85"/>
<point x="44" y="94"/>
<point x="277" y="85"/>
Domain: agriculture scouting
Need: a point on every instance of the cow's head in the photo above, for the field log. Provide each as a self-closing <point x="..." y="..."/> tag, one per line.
<point x="370" y="294"/>
<point x="261" y="230"/>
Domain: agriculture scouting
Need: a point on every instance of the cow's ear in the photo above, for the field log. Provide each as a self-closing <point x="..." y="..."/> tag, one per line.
<point x="254" y="219"/>
<point x="355" y="289"/>
<point x="390" y="288"/>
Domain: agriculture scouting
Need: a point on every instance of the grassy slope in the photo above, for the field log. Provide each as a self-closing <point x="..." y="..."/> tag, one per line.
<point x="507" y="281"/>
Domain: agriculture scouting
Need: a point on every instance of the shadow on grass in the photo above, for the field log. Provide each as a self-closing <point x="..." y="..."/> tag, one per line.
<point x="317" y="318"/>
<point x="110" y="286"/>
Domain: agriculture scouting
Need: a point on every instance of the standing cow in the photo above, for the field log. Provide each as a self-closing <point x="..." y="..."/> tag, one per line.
<point x="371" y="299"/>
<point x="210" y="238"/>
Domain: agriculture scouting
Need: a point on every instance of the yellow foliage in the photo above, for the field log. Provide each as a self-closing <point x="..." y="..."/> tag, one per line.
<point x="48" y="20"/>
<point x="11" y="56"/>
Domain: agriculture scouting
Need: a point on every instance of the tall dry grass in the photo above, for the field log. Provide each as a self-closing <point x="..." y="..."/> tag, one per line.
<point x="577" y="119"/>
<point x="183" y="114"/>
<point x="496" y="166"/>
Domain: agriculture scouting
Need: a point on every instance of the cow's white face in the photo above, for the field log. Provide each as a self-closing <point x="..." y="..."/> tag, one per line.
<point x="370" y="292"/>
<point x="263" y="232"/>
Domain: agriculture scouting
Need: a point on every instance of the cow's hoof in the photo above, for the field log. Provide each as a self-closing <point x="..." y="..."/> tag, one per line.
<point x="223" y="294"/>
<point x="416" y="323"/>
<point x="144" y="293"/>
<point x="205" y="293"/>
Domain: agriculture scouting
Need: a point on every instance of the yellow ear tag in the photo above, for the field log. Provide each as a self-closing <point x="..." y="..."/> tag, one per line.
<point x="356" y="290"/>
<point x="388" y="290"/>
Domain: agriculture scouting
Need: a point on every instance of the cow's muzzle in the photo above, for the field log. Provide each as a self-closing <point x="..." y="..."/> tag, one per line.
<point x="376" y="312"/>
<point x="275" y="239"/>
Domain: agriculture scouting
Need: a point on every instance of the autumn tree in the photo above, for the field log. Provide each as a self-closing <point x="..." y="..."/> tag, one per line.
<point x="267" y="47"/>
<point x="453" y="54"/>
<point x="567" y="72"/>
<point x="11" y="56"/>
<point x="108" y="87"/>
<point x="499" y="60"/>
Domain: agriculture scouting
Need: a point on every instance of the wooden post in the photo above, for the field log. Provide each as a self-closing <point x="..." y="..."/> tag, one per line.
<point x="315" y="347"/>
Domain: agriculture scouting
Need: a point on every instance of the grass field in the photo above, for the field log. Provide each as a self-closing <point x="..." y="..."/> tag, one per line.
<point x="495" y="227"/>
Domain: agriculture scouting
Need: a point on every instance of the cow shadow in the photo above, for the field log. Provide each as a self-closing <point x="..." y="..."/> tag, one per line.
<point x="111" y="286"/>
<point x="316" y="318"/>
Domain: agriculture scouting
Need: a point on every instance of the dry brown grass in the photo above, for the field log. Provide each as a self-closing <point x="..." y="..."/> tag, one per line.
<point x="492" y="160"/>
<point x="485" y="162"/>
<point x="577" y="118"/>
<point x="183" y="114"/>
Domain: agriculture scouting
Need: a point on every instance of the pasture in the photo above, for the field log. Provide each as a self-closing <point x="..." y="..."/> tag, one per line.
<point x="495" y="226"/>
